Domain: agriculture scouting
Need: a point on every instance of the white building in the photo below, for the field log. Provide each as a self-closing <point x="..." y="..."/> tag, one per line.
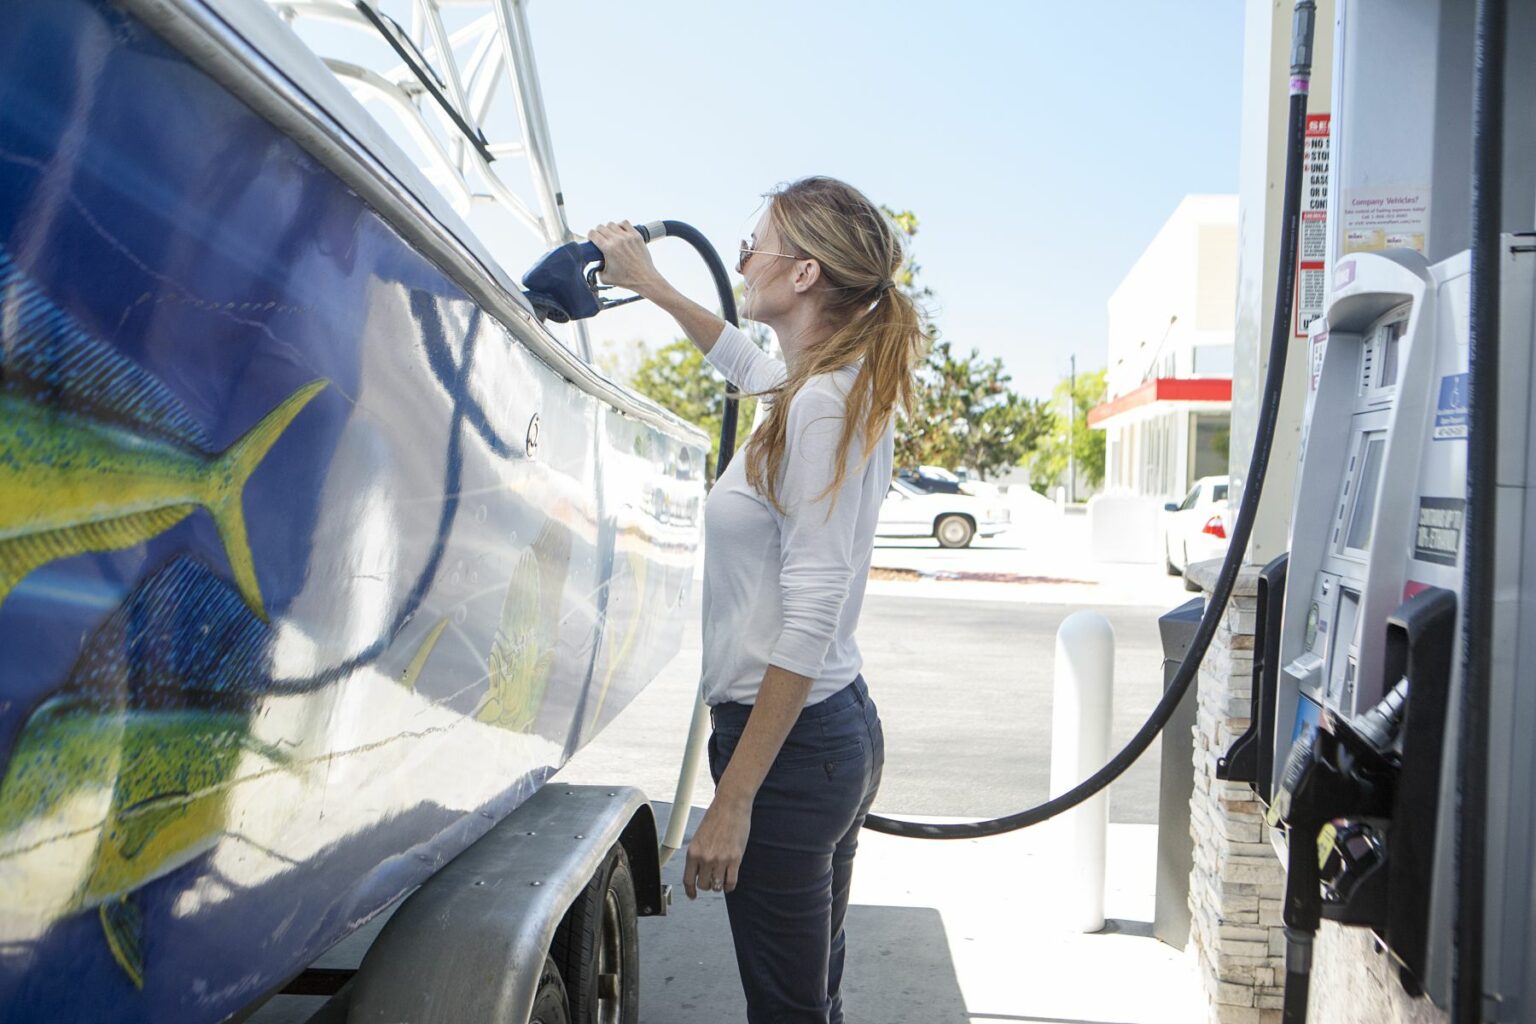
<point x="1167" y="413"/>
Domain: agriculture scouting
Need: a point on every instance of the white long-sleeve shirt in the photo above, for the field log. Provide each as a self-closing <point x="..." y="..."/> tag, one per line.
<point x="786" y="588"/>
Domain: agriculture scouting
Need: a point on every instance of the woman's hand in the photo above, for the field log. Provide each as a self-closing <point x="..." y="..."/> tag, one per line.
<point x="626" y="260"/>
<point x="714" y="856"/>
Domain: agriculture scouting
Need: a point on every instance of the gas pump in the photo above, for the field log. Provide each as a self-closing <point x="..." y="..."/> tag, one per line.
<point x="1364" y="666"/>
<point x="1367" y="744"/>
<point x="1367" y="482"/>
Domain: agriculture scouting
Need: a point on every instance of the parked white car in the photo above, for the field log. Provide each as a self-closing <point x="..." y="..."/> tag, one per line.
<point x="953" y="519"/>
<point x="1195" y="529"/>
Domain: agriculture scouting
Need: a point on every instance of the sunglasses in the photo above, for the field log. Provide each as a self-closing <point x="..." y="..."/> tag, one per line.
<point x="747" y="251"/>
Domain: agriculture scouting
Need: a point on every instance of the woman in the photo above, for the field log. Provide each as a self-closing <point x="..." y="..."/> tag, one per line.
<point x="796" y="750"/>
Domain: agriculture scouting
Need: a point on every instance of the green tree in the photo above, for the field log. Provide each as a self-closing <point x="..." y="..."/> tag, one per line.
<point x="906" y="277"/>
<point x="967" y="416"/>
<point x="1087" y="445"/>
<point x="1007" y="433"/>
<point x="620" y="360"/>
<point x="679" y="379"/>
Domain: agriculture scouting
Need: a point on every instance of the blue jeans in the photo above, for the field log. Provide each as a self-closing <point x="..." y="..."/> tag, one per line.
<point x="792" y="889"/>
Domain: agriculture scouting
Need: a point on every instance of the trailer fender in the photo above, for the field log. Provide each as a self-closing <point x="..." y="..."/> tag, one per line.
<point x="469" y="944"/>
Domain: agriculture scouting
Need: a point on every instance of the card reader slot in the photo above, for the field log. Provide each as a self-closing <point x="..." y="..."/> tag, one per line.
<point x="1341" y="650"/>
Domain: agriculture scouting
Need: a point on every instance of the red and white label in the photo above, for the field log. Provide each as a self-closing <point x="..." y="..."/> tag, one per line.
<point x="1312" y="245"/>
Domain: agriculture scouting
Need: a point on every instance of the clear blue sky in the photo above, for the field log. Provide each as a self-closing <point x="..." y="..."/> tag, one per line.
<point x="1040" y="145"/>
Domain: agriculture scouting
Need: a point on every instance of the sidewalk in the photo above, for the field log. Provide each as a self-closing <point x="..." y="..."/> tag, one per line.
<point x="951" y="932"/>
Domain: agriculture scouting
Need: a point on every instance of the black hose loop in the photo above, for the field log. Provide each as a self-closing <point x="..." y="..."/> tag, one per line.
<point x="694" y="237"/>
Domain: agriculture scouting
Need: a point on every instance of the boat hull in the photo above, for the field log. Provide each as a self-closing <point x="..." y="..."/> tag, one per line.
<point x="320" y="567"/>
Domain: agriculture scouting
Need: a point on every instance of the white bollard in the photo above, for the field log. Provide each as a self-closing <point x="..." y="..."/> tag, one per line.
<point x="1080" y="713"/>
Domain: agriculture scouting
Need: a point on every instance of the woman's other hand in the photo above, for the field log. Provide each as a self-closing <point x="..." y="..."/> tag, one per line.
<point x="714" y="856"/>
<point x="626" y="260"/>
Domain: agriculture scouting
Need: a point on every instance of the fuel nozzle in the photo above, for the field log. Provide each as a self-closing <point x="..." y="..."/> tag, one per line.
<point x="1335" y="785"/>
<point x="563" y="285"/>
<point x="1297" y="764"/>
<point x="1380" y="725"/>
<point x="1351" y="857"/>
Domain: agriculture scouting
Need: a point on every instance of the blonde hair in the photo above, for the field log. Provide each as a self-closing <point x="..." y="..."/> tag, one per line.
<point x="878" y="326"/>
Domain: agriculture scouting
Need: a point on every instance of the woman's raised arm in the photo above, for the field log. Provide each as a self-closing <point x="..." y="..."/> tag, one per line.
<point x="627" y="263"/>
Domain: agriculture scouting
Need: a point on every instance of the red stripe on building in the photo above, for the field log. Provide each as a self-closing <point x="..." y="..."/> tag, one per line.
<point x="1165" y="389"/>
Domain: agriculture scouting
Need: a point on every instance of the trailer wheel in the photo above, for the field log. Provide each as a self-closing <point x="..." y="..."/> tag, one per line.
<point x="549" y="1003"/>
<point x="598" y="947"/>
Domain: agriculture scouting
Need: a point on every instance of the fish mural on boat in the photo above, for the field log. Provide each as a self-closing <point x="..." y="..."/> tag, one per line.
<point x="96" y="454"/>
<point x="129" y="768"/>
<point x="523" y="651"/>
<point x="615" y="658"/>
<point x="195" y="804"/>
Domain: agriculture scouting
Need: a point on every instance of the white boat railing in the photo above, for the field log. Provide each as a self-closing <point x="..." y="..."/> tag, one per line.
<point x="442" y="89"/>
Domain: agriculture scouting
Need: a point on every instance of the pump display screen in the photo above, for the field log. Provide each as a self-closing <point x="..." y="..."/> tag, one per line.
<point x="1358" y="535"/>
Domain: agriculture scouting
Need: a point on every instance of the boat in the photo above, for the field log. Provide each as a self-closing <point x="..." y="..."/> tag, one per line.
<point x="319" y="552"/>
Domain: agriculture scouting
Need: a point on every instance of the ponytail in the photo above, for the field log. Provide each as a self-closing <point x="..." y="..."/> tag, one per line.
<point x="859" y="252"/>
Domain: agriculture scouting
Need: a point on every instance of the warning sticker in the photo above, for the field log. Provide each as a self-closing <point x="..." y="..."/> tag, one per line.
<point x="1316" y="157"/>
<point x="1451" y="409"/>
<point x="1311" y="293"/>
<point x="1314" y="237"/>
<point x="1312" y="245"/>
<point x="1319" y="349"/>
<point x="1438" y="536"/>
<point x="1392" y="217"/>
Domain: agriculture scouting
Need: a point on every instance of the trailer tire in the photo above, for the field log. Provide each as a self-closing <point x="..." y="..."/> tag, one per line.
<point x="598" y="947"/>
<point x="550" y="1005"/>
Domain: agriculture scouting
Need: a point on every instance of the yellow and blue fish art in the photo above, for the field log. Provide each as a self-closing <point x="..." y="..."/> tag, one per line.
<point x="617" y="656"/>
<point x="129" y="770"/>
<point x="523" y="651"/>
<point x="124" y="773"/>
<point x="98" y="455"/>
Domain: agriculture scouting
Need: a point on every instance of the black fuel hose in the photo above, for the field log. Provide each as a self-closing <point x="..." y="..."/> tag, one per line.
<point x="1467" y="983"/>
<point x="1258" y="468"/>
<point x="695" y="238"/>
